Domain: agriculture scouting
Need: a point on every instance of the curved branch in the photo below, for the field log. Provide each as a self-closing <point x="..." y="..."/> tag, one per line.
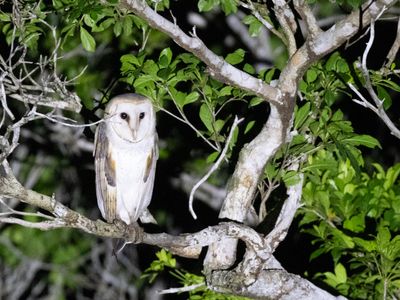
<point x="214" y="167"/>
<point x="188" y="245"/>
<point x="218" y="67"/>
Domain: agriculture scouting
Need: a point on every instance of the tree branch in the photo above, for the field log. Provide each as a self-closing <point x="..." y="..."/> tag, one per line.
<point x="217" y="66"/>
<point x="308" y="17"/>
<point x="378" y="108"/>
<point x="395" y="47"/>
<point x="286" y="19"/>
<point x="214" y="167"/>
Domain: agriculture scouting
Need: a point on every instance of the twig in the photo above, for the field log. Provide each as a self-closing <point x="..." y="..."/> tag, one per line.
<point x="378" y="108"/>
<point x="395" y="47"/>
<point x="181" y="289"/>
<point x="54" y="119"/>
<point x="185" y="120"/>
<point x="214" y="167"/>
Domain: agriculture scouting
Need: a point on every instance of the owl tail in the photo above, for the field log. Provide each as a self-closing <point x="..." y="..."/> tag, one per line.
<point x="147" y="217"/>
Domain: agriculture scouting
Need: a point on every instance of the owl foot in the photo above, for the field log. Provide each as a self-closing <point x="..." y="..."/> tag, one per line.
<point x="135" y="233"/>
<point x="121" y="225"/>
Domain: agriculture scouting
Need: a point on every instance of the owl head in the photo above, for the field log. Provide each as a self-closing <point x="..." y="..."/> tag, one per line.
<point x="131" y="117"/>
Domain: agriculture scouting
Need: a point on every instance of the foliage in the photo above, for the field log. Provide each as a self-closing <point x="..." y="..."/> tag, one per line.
<point x="352" y="214"/>
<point x="165" y="262"/>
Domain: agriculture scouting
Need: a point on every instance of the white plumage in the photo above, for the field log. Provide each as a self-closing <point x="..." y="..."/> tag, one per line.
<point x="125" y="159"/>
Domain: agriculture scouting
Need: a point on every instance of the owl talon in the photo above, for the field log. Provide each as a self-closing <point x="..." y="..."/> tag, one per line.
<point x="121" y="225"/>
<point x="135" y="233"/>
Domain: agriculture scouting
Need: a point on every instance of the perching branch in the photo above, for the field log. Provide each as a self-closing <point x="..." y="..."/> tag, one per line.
<point x="188" y="245"/>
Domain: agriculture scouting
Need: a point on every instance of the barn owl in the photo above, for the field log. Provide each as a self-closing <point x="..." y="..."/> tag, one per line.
<point x="125" y="159"/>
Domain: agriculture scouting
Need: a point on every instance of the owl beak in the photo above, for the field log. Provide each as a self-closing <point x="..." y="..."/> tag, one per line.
<point x="133" y="131"/>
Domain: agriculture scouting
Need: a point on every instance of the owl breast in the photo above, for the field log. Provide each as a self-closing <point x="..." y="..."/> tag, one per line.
<point x="133" y="192"/>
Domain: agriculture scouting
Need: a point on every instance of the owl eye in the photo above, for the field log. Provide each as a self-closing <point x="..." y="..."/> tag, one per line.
<point x="123" y="116"/>
<point x="141" y="115"/>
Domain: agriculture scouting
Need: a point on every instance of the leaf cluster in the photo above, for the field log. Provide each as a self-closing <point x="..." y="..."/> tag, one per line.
<point x="166" y="262"/>
<point x="351" y="214"/>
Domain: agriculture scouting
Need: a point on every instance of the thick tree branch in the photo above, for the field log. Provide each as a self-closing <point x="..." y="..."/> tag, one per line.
<point x="217" y="66"/>
<point x="345" y="29"/>
<point x="286" y="19"/>
<point x="270" y="284"/>
<point x="308" y="17"/>
<point x="287" y="214"/>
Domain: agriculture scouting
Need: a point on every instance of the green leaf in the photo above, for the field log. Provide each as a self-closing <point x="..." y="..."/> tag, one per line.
<point x="212" y="157"/>
<point x="355" y="223"/>
<point x="235" y="57"/>
<point x="391" y="176"/>
<point x="206" y="117"/>
<point x="192" y="97"/>
<point x="165" y="58"/>
<point x="390" y="84"/>
<point x="143" y="81"/>
<point x="354" y="3"/>
<point x="343" y="239"/>
<point x="207" y="5"/>
<point x="88" y="42"/>
<point x="228" y="6"/>
<point x="249" y="69"/>
<point x="317" y="253"/>
<point x="322" y="165"/>
<point x="218" y="125"/>
<point x="368" y="246"/>
<point x="150" y="67"/>
<point x="363" y="139"/>
<point x="118" y="28"/>
<point x="311" y="75"/>
<point x="178" y="96"/>
<point x="301" y="115"/>
<point x="256" y="101"/>
<point x="249" y="126"/>
<point x="103" y="25"/>
<point x="4" y="17"/>
<point x="88" y="20"/>
<point x="130" y="59"/>
<point x="384" y="96"/>
<point x="127" y="25"/>
<point x="340" y="272"/>
<point x="254" y="25"/>
<point x="269" y="75"/>
<point x="225" y="91"/>
<point x="383" y="236"/>
<point x="291" y="178"/>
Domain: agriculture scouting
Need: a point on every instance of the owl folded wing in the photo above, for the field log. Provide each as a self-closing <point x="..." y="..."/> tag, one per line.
<point x="151" y="160"/>
<point x="105" y="175"/>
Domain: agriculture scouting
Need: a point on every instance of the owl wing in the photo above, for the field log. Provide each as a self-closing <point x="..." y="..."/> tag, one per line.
<point x="151" y="160"/>
<point x="148" y="180"/>
<point x="106" y="189"/>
